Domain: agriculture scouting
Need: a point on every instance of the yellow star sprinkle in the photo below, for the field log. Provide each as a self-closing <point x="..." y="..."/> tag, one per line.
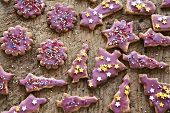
<point x="17" y="109"/>
<point x="104" y="69"/>
<point x="109" y="65"/>
<point x="126" y="92"/>
<point x="101" y="57"/>
<point x="90" y="84"/>
<point x="87" y="14"/>
<point x="77" y="66"/>
<point x="103" y="3"/>
<point x="76" y="71"/>
<point x="127" y="87"/>
<point x="164" y="87"/>
<point x="118" y="97"/>
<point x="143" y="5"/>
<point x="81" y="70"/>
<point x="161" y="104"/>
<point x="79" y="59"/>
<point x="117" y="1"/>
<point x="148" y="9"/>
<point x="158" y="95"/>
<point x="167" y="91"/>
<point x="138" y="7"/>
<point x="157" y="26"/>
<point x="106" y="5"/>
<point x="108" y="0"/>
<point x="83" y="53"/>
<point x="164" y="21"/>
<point x="116" y="66"/>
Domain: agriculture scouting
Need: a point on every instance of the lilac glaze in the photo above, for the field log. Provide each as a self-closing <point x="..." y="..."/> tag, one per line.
<point x="160" y="22"/>
<point x="124" y="99"/>
<point x="82" y="65"/>
<point x="102" y="70"/>
<point x="52" y="53"/>
<point x="31" y="103"/>
<point x="29" y="8"/>
<point x="16" y="41"/>
<point x="100" y="12"/>
<point x="61" y="18"/>
<point x="154" y="39"/>
<point x="158" y="93"/>
<point x="165" y="3"/>
<point x="4" y="78"/>
<point x="120" y="35"/>
<point x="143" y="7"/>
<point x="34" y="83"/>
<point x="74" y="103"/>
<point x="142" y="61"/>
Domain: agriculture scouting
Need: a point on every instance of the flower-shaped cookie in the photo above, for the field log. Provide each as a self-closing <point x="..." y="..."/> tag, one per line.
<point x="52" y="53"/>
<point x="16" y="40"/>
<point x="61" y="18"/>
<point x="29" y="8"/>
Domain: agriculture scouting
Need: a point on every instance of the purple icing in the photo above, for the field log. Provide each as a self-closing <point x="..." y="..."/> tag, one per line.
<point x="154" y="39"/>
<point x="120" y="35"/>
<point x="29" y="105"/>
<point x="52" y="53"/>
<point x="16" y="41"/>
<point x="74" y="103"/>
<point x="75" y="73"/>
<point x="144" y="7"/>
<point x="165" y="3"/>
<point x="141" y="61"/>
<point x="122" y="105"/>
<point x="61" y="18"/>
<point x="4" y="78"/>
<point x="29" y="8"/>
<point x="104" y="9"/>
<point x="34" y="83"/>
<point x="106" y="67"/>
<point x="160" y="22"/>
<point x="158" y="93"/>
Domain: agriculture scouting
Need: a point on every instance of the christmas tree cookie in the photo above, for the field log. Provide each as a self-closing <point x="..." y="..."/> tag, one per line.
<point x="121" y="101"/>
<point x="107" y="65"/>
<point x="142" y="61"/>
<point x="159" y="93"/>
<point x="93" y="17"/>
<point x="154" y="39"/>
<point x="34" y="83"/>
<point x="120" y="35"/>
<point x="79" y="67"/>
<point x="74" y="103"/>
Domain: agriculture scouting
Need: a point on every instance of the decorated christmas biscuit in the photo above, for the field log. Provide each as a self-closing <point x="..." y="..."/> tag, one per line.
<point x="29" y="105"/>
<point x="79" y="68"/>
<point x="74" y="103"/>
<point x="120" y="35"/>
<point x="34" y="83"/>
<point x="159" y="93"/>
<point x="52" y="53"/>
<point x="154" y="39"/>
<point x="16" y="40"/>
<point x="140" y="7"/>
<point x="142" y="61"/>
<point x="61" y="18"/>
<point x="4" y="78"/>
<point x="107" y="65"/>
<point x="93" y="17"/>
<point x="165" y="3"/>
<point x="121" y="101"/>
<point x="160" y="22"/>
<point x="29" y="8"/>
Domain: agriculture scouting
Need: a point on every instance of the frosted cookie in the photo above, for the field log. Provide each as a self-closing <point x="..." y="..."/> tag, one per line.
<point x="52" y="53"/>
<point x="74" y="103"/>
<point x="142" y="61"/>
<point x="16" y="41"/>
<point x="107" y="65"/>
<point x="4" y="78"/>
<point x="120" y="35"/>
<point x="79" y="67"/>
<point x="34" y="83"/>
<point x="93" y="17"/>
<point x="29" y="8"/>
<point x="159" y="93"/>
<point x="160" y="22"/>
<point x="140" y="7"/>
<point x="165" y="3"/>
<point x="29" y="105"/>
<point x="154" y="39"/>
<point x="61" y="18"/>
<point x="121" y="101"/>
